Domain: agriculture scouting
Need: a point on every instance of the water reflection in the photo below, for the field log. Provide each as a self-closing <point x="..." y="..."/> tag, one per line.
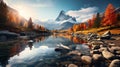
<point x="38" y="52"/>
<point x="9" y="50"/>
<point x="75" y="40"/>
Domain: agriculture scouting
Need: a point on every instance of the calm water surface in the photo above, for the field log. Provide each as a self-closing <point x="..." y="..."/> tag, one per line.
<point x="40" y="53"/>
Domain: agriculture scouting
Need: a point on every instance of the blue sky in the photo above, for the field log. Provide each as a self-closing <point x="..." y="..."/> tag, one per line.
<point x="49" y="9"/>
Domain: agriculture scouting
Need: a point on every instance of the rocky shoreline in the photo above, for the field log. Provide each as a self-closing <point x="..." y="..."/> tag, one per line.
<point x="104" y="52"/>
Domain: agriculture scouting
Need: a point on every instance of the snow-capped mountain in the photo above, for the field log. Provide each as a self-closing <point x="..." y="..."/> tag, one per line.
<point x="62" y="22"/>
<point x="65" y="21"/>
<point x="117" y="10"/>
<point x="63" y="16"/>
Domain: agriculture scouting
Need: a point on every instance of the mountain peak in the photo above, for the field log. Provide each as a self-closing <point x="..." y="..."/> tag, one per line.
<point x="62" y="12"/>
<point x="62" y="16"/>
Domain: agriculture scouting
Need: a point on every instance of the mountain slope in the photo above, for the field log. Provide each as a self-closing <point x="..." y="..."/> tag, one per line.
<point x="65" y="25"/>
<point x="10" y="18"/>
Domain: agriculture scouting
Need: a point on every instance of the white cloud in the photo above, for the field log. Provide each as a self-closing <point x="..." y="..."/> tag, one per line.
<point x="83" y="14"/>
<point x="41" y="5"/>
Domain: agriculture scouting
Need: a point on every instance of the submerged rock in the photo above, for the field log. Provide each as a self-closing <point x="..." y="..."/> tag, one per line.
<point x="74" y="53"/>
<point x="115" y="63"/>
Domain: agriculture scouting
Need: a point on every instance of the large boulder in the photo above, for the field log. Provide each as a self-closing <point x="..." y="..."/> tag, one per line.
<point x="106" y="35"/>
<point x="97" y="57"/>
<point x="107" y="54"/>
<point x="72" y="65"/>
<point x="62" y="48"/>
<point x="86" y="59"/>
<point x="115" y="63"/>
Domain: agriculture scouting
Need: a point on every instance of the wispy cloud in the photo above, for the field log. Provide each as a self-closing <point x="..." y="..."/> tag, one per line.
<point x="83" y="14"/>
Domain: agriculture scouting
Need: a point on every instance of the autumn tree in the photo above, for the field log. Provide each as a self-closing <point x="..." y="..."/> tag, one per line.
<point x="118" y="19"/>
<point x="76" y="27"/>
<point x="110" y="17"/>
<point x="83" y="26"/>
<point x="30" y="23"/>
<point x="3" y="14"/>
<point x="70" y="30"/>
<point x="91" y="22"/>
<point x="97" y="21"/>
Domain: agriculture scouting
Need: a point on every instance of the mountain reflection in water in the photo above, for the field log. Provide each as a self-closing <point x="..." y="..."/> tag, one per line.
<point x="39" y="53"/>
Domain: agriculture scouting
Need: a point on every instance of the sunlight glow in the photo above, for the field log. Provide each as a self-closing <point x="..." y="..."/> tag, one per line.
<point x="24" y="11"/>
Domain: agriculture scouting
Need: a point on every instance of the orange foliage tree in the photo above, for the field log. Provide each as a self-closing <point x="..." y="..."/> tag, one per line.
<point x="91" y="22"/>
<point x="30" y="23"/>
<point x="110" y="17"/>
<point x="83" y="26"/>
<point x="76" y="27"/>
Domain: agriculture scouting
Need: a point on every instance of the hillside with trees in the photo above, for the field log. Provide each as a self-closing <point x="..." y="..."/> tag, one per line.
<point x="110" y="19"/>
<point x="11" y="20"/>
